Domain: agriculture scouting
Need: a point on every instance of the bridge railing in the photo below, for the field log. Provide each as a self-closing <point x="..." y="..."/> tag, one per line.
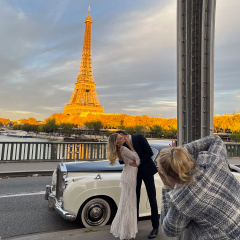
<point x="55" y="151"/>
<point x="51" y="151"/>
<point x="233" y="149"/>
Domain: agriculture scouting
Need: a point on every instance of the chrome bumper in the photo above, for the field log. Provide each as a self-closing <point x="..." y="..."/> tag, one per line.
<point x="54" y="205"/>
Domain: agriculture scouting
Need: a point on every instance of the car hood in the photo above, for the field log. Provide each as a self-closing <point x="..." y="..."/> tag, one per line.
<point x="94" y="166"/>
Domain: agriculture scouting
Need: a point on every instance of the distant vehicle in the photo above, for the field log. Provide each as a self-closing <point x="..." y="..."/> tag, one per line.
<point x="17" y="133"/>
<point x="89" y="192"/>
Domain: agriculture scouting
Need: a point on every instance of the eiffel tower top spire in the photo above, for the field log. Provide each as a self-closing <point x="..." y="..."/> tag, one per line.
<point x="84" y="97"/>
<point x="85" y="71"/>
<point x="89" y="10"/>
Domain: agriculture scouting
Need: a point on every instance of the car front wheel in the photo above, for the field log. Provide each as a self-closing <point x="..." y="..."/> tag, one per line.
<point x="96" y="212"/>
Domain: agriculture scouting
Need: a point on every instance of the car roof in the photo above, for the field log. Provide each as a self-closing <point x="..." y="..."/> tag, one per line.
<point x="159" y="144"/>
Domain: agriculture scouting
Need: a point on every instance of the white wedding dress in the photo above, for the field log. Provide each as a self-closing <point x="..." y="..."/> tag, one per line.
<point x="124" y="225"/>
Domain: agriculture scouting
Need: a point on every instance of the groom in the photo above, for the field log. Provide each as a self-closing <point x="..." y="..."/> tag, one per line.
<point x="146" y="171"/>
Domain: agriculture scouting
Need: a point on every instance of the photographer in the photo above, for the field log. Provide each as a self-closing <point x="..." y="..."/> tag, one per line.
<point x="201" y="195"/>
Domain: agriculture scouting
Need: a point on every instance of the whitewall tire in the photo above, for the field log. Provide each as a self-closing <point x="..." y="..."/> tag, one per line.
<point x="96" y="212"/>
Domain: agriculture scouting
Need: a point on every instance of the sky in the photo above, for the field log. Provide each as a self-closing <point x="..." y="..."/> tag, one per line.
<point x="134" y="55"/>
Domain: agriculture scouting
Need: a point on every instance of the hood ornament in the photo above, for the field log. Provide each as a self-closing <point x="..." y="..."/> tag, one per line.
<point x="98" y="176"/>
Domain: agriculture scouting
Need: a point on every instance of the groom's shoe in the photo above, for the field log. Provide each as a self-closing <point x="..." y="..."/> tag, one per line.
<point x="153" y="233"/>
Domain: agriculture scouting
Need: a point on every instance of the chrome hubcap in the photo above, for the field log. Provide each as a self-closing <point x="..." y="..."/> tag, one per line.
<point x="95" y="213"/>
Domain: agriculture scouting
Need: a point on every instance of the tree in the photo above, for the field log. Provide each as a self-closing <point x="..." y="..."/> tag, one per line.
<point x="139" y="129"/>
<point x="89" y="125"/>
<point x="50" y="126"/>
<point x="67" y="128"/>
<point x="157" y="131"/>
<point x="4" y="121"/>
<point x="108" y="133"/>
<point x="129" y="130"/>
<point x="235" y="136"/>
<point x="95" y="125"/>
<point x="32" y="121"/>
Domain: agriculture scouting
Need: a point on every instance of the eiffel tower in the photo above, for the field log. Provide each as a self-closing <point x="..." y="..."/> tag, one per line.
<point x="84" y="97"/>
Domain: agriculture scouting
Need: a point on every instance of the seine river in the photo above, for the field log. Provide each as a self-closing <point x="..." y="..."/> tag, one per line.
<point x="19" y="139"/>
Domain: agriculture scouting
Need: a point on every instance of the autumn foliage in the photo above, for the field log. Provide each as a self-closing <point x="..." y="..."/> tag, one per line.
<point x="4" y="121"/>
<point x="116" y="121"/>
<point x="30" y="121"/>
<point x="231" y="122"/>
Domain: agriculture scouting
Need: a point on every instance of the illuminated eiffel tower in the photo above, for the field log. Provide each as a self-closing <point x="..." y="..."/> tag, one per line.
<point x="84" y="97"/>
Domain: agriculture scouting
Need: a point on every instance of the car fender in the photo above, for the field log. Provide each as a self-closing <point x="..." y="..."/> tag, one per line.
<point x="81" y="190"/>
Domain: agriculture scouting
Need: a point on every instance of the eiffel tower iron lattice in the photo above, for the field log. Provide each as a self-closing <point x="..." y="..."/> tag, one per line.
<point x="84" y="97"/>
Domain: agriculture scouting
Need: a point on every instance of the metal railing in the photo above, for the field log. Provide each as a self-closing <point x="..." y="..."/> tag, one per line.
<point x="55" y="151"/>
<point x="233" y="149"/>
<point x="51" y="151"/>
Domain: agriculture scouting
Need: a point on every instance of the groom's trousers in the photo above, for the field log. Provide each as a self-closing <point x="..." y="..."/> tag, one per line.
<point x="151" y="191"/>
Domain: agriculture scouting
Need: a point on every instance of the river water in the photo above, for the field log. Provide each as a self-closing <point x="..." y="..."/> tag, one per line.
<point x="21" y="139"/>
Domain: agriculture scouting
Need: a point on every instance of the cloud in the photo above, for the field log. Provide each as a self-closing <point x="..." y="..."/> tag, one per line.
<point x="51" y="108"/>
<point x="133" y="110"/>
<point x="133" y="53"/>
<point x="169" y="103"/>
<point x="21" y="112"/>
<point x="13" y="114"/>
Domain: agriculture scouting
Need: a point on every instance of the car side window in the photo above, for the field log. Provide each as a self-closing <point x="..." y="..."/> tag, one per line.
<point x="155" y="154"/>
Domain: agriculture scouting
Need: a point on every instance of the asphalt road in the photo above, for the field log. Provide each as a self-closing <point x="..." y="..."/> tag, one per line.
<point x="23" y="209"/>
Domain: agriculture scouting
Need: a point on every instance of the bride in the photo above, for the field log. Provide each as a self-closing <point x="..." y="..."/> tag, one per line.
<point x="124" y="225"/>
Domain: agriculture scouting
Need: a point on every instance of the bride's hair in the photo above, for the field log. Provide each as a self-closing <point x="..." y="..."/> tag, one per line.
<point x="112" y="148"/>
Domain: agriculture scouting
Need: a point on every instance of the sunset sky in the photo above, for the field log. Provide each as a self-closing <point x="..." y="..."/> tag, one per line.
<point x="133" y="50"/>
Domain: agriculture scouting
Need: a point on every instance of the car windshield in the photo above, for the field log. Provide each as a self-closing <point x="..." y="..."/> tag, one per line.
<point x="155" y="154"/>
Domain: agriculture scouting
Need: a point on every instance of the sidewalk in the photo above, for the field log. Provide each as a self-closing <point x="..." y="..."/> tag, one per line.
<point x="99" y="233"/>
<point x="20" y="169"/>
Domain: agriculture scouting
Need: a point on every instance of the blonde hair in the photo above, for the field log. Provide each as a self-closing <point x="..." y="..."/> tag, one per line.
<point x="112" y="148"/>
<point x="178" y="164"/>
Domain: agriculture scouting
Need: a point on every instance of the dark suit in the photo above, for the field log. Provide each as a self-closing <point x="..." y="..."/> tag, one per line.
<point x="146" y="170"/>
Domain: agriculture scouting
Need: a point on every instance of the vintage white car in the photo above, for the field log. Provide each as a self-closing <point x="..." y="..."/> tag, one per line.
<point x="89" y="192"/>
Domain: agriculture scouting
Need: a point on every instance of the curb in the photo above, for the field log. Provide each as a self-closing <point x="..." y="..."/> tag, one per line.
<point x="65" y="234"/>
<point x="26" y="173"/>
